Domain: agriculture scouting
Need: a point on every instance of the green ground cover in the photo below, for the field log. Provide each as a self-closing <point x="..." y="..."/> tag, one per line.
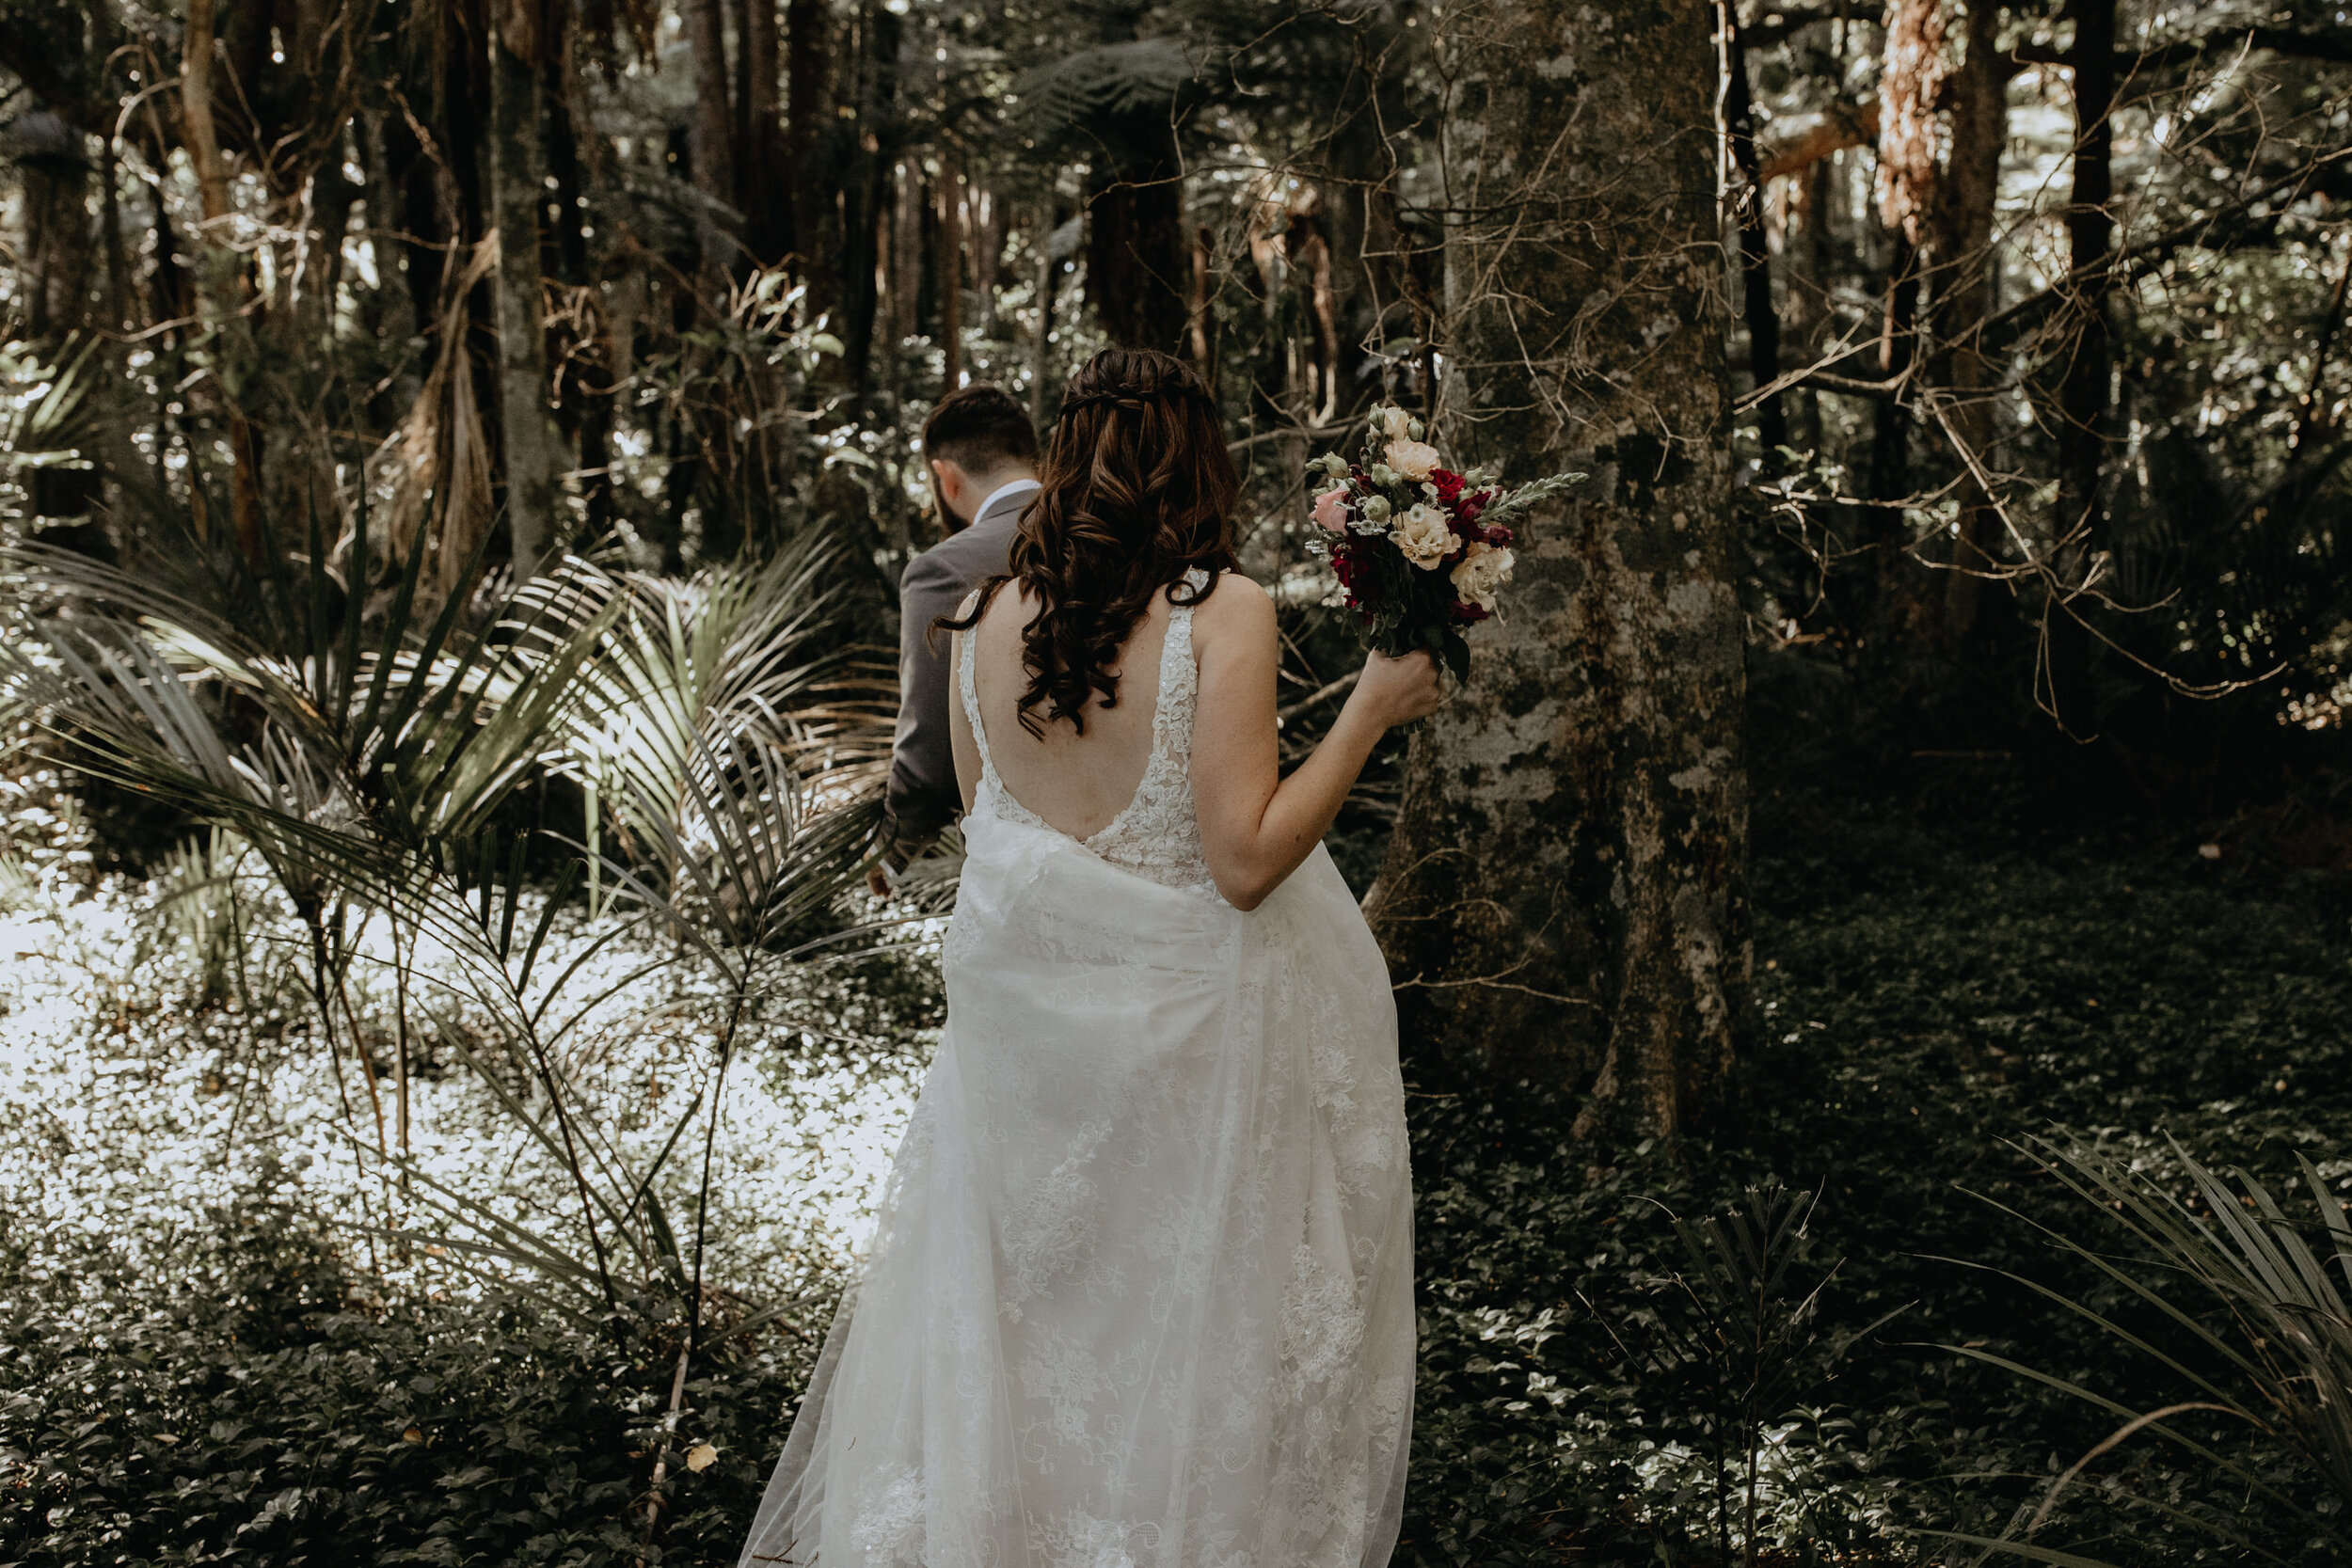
<point x="203" y="1364"/>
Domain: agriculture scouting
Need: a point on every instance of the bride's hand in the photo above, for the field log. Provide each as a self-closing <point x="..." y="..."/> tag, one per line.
<point x="1399" y="690"/>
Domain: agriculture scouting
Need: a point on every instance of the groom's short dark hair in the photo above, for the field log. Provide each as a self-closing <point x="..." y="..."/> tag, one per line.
<point x="979" y="429"/>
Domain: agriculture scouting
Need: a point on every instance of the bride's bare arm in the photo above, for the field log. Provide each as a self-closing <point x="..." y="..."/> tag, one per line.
<point x="1256" y="825"/>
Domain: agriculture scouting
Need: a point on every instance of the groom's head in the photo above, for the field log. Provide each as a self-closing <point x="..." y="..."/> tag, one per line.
<point x="978" y="440"/>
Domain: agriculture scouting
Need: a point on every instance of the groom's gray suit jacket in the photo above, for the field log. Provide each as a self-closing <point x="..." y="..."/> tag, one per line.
<point x="923" y="796"/>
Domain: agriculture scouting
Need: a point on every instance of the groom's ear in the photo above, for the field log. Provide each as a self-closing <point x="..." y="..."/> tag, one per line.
<point x="948" y="482"/>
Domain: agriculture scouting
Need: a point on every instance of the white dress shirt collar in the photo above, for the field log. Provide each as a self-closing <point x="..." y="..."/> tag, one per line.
<point x="1016" y="487"/>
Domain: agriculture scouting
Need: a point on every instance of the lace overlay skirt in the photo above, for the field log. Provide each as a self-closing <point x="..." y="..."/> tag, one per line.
<point x="1140" y="1296"/>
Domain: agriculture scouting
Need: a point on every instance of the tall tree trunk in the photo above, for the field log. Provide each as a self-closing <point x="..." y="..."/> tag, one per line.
<point x="2089" y="229"/>
<point x="2084" y="388"/>
<point x="222" y="271"/>
<point x="1755" y="256"/>
<point x="988" y="256"/>
<point x="762" y="191"/>
<point x="1564" y="899"/>
<point x="52" y="165"/>
<point x="1359" y="167"/>
<point x="1978" y="94"/>
<point x="707" y="133"/>
<point x="865" y="182"/>
<point x="1911" y="79"/>
<point x="1139" y="260"/>
<point x="907" y="261"/>
<point x="1040" y="341"/>
<point x="813" y="154"/>
<point x="1807" y="258"/>
<point x="951" y="273"/>
<point x="517" y="176"/>
<point x="584" y="409"/>
<point x="397" y="317"/>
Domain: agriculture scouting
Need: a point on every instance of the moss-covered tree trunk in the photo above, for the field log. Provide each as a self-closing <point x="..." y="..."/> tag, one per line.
<point x="1564" y="898"/>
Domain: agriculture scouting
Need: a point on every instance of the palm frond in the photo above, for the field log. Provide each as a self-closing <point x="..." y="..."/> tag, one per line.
<point x="2261" y="1308"/>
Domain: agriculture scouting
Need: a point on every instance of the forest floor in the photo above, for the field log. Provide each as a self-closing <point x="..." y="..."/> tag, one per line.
<point x="193" y="1371"/>
<point x="1934" y="998"/>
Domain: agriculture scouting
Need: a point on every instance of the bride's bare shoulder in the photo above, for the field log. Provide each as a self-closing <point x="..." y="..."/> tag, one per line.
<point x="1234" y="617"/>
<point x="1236" y="600"/>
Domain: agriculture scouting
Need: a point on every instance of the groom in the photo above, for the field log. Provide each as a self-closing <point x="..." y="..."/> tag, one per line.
<point x="982" y="455"/>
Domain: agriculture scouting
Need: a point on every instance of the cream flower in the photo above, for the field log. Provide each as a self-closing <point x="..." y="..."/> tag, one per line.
<point x="1424" y="537"/>
<point x="1396" y="425"/>
<point x="1413" y="459"/>
<point x="1482" y="569"/>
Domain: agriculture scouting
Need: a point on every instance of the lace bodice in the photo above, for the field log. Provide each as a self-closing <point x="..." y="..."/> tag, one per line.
<point x="1157" y="833"/>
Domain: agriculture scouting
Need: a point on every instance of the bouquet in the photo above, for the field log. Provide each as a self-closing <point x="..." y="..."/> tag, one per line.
<point x="1418" y="549"/>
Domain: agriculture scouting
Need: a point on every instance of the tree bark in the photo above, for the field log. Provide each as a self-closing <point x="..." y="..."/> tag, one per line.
<point x="1756" y="256"/>
<point x="1564" y="899"/>
<point x="2089" y="230"/>
<point x="517" y="175"/>
<point x="195" y="111"/>
<point x="951" y="273"/>
<point x="761" y="188"/>
<point x="197" y="42"/>
<point x="1040" y="341"/>
<point x="57" y="271"/>
<point x="708" y="136"/>
<point x="813" y="155"/>
<point x="1978" y="94"/>
<point x="906" y="266"/>
<point x="1138" y="258"/>
<point x="865" y="182"/>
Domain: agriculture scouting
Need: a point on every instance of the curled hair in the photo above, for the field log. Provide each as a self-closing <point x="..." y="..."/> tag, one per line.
<point x="1137" y="489"/>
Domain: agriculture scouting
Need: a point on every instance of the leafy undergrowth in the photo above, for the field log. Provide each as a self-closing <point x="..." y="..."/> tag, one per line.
<point x="219" y="1378"/>
<point x="234" y="1402"/>
<point x="1930" y="997"/>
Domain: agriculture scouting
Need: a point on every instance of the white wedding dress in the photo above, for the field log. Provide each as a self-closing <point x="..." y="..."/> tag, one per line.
<point x="1140" y="1292"/>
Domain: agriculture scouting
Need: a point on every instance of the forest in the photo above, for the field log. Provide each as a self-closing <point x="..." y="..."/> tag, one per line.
<point x="1871" y="936"/>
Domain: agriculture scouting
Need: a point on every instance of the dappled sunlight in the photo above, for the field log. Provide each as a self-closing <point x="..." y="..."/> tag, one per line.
<point x="128" y="1109"/>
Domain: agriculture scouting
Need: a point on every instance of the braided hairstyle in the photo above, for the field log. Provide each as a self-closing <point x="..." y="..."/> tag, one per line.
<point x="1137" y="489"/>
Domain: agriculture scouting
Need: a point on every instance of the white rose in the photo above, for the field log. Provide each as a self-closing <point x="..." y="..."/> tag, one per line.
<point x="1394" y="421"/>
<point x="1424" y="537"/>
<point x="1482" y="569"/>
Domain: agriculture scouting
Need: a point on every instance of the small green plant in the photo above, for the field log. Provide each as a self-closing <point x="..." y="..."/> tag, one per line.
<point x="196" y="896"/>
<point x="1748" y="1339"/>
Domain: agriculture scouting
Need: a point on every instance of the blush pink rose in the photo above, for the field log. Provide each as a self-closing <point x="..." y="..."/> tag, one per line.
<point x="1330" y="514"/>
<point x="1415" y="460"/>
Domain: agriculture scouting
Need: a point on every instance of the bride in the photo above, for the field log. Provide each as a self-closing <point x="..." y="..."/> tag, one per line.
<point x="1140" y="1293"/>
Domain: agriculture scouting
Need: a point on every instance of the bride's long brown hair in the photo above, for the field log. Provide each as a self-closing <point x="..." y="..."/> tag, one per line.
<point x="1136" y="490"/>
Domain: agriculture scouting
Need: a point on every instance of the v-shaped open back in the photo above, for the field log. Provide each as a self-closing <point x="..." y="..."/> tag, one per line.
<point x="1156" y="834"/>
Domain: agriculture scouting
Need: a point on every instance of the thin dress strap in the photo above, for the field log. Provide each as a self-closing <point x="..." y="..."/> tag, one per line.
<point x="1178" y="671"/>
<point x="970" y="688"/>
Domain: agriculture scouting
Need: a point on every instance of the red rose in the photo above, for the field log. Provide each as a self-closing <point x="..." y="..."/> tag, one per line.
<point x="1449" y="484"/>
